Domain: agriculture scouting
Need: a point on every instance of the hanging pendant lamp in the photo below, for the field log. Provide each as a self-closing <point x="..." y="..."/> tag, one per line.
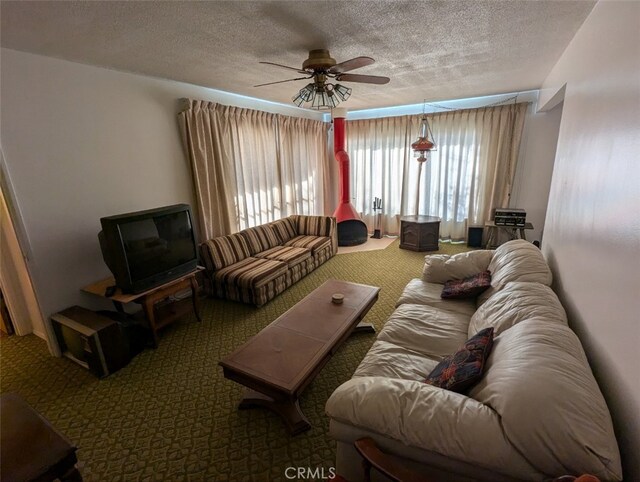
<point x="422" y="149"/>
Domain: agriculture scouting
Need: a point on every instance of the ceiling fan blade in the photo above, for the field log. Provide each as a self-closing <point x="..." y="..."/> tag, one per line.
<point x="281" y="81"/>
<point x="352" y="64"/>
<point x="285" y="67"/>
<point x="365" y="79"/>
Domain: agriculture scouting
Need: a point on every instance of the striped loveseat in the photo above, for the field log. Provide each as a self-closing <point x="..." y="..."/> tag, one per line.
<point x="257" y="264"/>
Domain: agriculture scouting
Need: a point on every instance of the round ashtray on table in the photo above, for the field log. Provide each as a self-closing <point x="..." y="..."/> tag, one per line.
<point x="337" y="298"/>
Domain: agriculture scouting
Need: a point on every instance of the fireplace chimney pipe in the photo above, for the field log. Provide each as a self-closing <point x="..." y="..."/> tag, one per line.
<point x="345" y="210"/>
<point x="351" y="229"/>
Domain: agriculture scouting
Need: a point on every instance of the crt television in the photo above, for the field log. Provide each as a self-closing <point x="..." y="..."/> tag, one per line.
<point x="148" y="248"/>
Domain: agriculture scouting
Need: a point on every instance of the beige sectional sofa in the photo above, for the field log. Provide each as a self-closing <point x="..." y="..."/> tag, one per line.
<point x="257" y="264"/>
<point x="536" y="414"/>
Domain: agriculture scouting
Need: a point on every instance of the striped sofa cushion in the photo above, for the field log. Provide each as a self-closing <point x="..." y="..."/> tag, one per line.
<point x="314" y="243"/>
<point x="260" y="238"/>
<point x="224" y="251"/>
<point x="323" y="254"/>
<point x="269" y="290"/>
<point x="314" y="225"/>
<point x="286" y="254"/>
<point x="285" y="229"/>
<point x="251" y="272"/>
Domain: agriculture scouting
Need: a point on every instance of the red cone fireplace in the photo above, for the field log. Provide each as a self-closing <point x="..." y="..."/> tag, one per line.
<point x="351" y="229"/>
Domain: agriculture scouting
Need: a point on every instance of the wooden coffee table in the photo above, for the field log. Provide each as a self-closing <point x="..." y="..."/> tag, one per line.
<point x="280" y="361"/>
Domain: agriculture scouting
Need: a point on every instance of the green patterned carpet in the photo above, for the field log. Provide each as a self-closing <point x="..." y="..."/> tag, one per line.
<point x="170" y="414"/>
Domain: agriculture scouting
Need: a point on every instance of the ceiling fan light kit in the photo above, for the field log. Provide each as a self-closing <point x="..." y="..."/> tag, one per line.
<point x="320" y="67"/>
<point x="323" y="101"/>
<point x="322" y="96"/>
<point x="342" y="92"/>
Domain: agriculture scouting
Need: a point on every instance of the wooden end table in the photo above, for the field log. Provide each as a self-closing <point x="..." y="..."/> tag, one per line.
<point x="280" y="361"/>
<point x="157" y="314"/>
<point x="30" y="448"/>
<point x="512" y="232"/>
<point x="419" y="233"/>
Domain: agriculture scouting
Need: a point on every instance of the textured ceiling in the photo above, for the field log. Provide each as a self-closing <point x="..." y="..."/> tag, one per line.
<point x="432" y="50"/>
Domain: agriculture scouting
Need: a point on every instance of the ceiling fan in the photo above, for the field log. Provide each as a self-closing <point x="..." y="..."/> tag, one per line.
<point x="321" y="68"/>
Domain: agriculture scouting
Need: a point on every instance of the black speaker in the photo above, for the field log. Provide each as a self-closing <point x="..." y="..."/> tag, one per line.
<point x="474" y="236"/>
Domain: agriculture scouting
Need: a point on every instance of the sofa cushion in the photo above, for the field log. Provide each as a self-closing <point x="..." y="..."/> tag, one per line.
<point x="286" y="254"/>
<point x="389" y="360"/>
<point x="314" y="225"/>
<point x="464" y="368"/>
<point x="251" y="272"/>
<point x="468" y="287"/>
<point x="516" y="260"/>
<point x="518" y="301"/>
<point x="538" y="381"/>
<point x="420" y="292"/>
<point x="285" y="229"/>
<point x="314" y="243"/>
<point x="440" y="268"/>
<point x="260" y="238"/>
<point x="426" y="417"/>
<point x="426" y="330"/>
<point x="224" y="251"/>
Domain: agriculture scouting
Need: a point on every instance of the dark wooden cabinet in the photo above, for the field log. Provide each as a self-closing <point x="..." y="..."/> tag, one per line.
<point x="419" y="233"/>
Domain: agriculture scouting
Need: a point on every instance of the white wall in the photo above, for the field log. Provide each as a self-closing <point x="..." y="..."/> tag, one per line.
<point x="535" y="166"/>
<point x="592" y="233"/>
<point x="83" y="142"/>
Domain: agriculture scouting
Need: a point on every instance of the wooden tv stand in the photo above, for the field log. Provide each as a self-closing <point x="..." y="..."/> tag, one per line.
<point x="159" y="310"/>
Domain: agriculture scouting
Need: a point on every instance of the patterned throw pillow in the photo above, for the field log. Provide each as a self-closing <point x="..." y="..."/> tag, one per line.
<point x="467" y="288"/>
<point x="463" y="369"/>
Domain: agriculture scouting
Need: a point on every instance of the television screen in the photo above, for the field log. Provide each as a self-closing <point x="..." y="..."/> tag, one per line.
<point x="157" y="244"/>
<point x="148" y="248"/>
<point x="72" y="344"/>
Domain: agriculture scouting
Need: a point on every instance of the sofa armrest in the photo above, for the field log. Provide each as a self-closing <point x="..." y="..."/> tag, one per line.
<point x="429" y="418"/>
<point x="440" y="268"/>
<point x="319" y="226"/>
<point x="333" y="234"/>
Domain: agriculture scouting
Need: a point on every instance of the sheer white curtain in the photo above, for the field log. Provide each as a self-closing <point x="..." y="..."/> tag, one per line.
<point x="470" y="174"/>
<point x="380" y="164"/>
<point x="252" y="167"/>
<point x="305" y="166"/>
<point x="252" y="137"/>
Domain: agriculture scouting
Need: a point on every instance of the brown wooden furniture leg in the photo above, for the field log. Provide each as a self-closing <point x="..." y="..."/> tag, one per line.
<point x="151" y="318"/>
<point x="194" y="297"/>
<point x="289" y="410"/>
<point x="490" y="236"/>
<point x="522" y="234"/>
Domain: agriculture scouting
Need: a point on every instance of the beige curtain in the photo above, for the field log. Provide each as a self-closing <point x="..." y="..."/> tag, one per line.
<point x="252" y="138"/>
<point x="203" y="132"/>
<point x="252" y="167"/>
<point x="470" y="174"/>
<point x="306" y="166"/>
<point x="380" y="154"/>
